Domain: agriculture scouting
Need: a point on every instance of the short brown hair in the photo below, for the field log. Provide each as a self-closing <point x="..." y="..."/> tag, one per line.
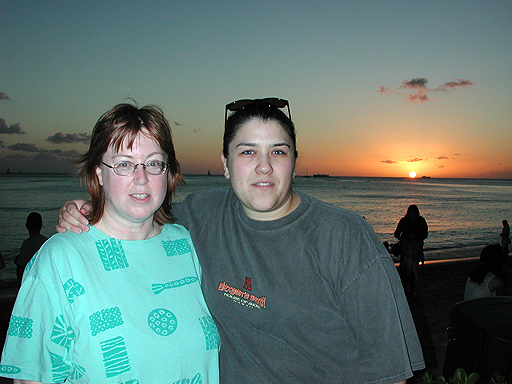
<point x="124" y="122"/>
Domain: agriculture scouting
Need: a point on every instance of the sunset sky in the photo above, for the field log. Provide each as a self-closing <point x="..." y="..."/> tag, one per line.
<point x="376" y="88"/>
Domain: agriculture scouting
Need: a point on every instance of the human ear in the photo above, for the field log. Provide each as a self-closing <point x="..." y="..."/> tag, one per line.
<point x="225" y="164"/>
<point x="98" y="175"/>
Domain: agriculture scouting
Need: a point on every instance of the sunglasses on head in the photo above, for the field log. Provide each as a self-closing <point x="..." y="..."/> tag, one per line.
<point x="270" y="101"/>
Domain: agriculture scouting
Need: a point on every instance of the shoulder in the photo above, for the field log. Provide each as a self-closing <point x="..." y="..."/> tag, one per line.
<point x="203" y="205"/>
<point x="341" y="229"/>
<point x="59" y="252"/>
<point x="68" y="237"/>
<point x="174" y="231"/>
<point x="334" y="216"/>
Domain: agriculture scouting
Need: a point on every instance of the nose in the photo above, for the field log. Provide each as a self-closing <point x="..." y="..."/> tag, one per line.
<point x="140" y="176"/>
<point x="264" y="165"/>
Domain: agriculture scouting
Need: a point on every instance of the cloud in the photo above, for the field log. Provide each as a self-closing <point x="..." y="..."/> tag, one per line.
<point x="505" y="173"/>
<point x="418" y="83"/>
<point x="67" y="138"/>
<point x="420" y="90"/>
<point x="418" y="97"/>
<point x="441" y="158"/>
<point x="32" y="148"/>
<point x="11" y="129"/>
<point x="383" y="89"/>
<point x="388" y="161"/>
<point x="3" y="96"/>
<point x="45" y="156"/>
<point x="24" y="147"/>
<point x="414" y="159"/>
<point x="178" y="124"/>
<point x="17" y="156"/>
<point x="455" y="84"/>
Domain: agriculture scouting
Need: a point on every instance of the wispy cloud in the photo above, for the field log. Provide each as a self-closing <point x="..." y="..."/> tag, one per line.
<point x="455" y="84"/>
<point x="415" y="159"/>
<point x="420" y="89"/>
<point x="11" y="129"/>
<point x="67" y="138"/>
<point x="3" y="96"/>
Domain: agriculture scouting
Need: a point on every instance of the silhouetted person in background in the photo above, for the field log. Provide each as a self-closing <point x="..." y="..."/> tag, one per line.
<point x="505" y="237"/>
<point x="31" y="245"/>
<point x="488" y="278"/>
<point x="412" y="230"/>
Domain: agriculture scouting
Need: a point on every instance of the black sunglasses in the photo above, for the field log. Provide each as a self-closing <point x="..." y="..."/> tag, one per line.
<point x="270" y="101"/>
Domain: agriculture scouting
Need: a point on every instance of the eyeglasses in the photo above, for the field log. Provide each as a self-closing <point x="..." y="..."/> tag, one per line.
<point x="127" y="168"/>
<point x="270" y="101"/>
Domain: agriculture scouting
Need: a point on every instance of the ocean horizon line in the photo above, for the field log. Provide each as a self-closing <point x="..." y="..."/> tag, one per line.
<point x="319" y="176"/>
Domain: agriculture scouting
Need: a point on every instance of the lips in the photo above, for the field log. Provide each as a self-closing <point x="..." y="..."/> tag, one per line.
<point x="263" y="184"/>
<point x="140" y="196"/>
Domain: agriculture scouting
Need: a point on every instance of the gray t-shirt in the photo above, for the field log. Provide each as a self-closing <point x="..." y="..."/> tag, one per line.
<point x="311" y="297"/>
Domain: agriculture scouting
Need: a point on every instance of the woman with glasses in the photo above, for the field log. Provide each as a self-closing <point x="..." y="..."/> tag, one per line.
<point x="123" y="302"/>
<point x="301" y="291"/>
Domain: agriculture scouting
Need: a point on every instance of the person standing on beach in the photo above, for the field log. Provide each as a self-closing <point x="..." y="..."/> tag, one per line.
<point x="301" y="291"/>
<point x="34" y="224"/>
<point x="411" y="231"/>
<point x="505" y="237"/>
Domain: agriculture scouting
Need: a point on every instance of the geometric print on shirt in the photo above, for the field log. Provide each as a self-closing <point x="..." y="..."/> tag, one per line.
<point x="211" y="334"/>
<point x="176" y="247"/>
<point x="112" y="254"/>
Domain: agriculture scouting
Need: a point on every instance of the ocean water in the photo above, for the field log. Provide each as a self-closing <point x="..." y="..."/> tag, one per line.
<point x="460" y="212"/>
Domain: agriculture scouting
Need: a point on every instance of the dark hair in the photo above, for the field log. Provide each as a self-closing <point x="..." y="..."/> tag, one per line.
<point x="34" y="221"/>
<point x="492" y="258"/>
<point x="413" y="209"/>
<point x="260" y="111"/>
<point x="120" y="125"/>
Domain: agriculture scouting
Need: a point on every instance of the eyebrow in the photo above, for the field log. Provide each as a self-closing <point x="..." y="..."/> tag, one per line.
<point x="119" y="154"/>
<point x="246" y="144"/>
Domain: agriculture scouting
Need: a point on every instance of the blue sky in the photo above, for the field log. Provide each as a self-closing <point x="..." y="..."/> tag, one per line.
<point x="376" y="88"/>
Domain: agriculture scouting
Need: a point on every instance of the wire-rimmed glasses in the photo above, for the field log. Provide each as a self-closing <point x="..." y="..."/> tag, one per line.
<point x="127" y="168"/>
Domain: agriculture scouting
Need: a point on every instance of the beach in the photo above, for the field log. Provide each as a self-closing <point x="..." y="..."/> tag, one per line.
<point x="441" y="285"/>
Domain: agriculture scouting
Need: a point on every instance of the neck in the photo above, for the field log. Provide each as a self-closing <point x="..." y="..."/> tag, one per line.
<point x="132" y="231"/>
<point x="291" y="204"/>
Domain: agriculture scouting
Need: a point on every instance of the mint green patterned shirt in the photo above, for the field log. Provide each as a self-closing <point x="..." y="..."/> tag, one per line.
<point x="93" y="309"/>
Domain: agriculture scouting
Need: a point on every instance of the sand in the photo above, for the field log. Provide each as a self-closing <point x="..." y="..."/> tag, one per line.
<point x="441" y="286"/>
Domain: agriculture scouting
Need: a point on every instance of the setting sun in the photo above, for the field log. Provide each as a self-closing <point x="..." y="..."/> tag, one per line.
<point x="412" y="174"/>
